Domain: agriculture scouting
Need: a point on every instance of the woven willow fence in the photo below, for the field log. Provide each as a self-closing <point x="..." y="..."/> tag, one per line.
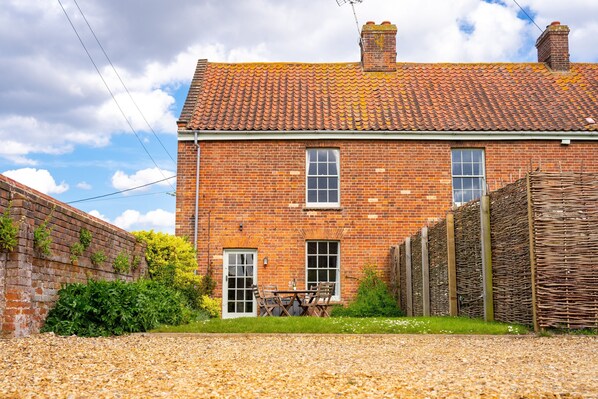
<point x="455" y="268"/>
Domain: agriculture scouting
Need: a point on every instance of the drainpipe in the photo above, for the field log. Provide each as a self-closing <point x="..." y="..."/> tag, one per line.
<point x="196" y="193"/>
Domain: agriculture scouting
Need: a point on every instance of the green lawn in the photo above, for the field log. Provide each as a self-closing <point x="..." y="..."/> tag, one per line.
<point x="347" y="325"/>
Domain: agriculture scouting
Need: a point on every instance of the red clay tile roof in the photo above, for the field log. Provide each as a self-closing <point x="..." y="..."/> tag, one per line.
<point x="417" y="97"/>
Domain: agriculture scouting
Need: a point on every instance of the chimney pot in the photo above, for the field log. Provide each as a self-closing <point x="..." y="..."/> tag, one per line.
<point x="553" y="47"/>
<point x="370" y="23"/>
<point x="379" y="47"/>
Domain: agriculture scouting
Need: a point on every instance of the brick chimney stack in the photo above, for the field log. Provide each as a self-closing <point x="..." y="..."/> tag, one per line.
<point x="379" y="47"/>
<point x="553" y="47"/>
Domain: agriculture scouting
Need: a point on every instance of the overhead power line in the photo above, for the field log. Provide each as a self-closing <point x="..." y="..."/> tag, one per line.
<point x="527" y="15"/>
<point x="122" y="82"/>
<point x="110" y="91"/>
<point x="121" y="191"/>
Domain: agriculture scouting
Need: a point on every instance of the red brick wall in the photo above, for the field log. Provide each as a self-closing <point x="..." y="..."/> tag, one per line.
<point x="29" y="281"/>
<point x="389" y="189"/>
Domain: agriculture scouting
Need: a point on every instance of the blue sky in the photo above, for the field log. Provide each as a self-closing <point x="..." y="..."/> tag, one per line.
<point x="62" y="133"/>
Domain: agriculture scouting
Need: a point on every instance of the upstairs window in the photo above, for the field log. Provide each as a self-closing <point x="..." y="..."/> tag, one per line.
<point x="468" y="174"/>
<point x="323" y="177"/>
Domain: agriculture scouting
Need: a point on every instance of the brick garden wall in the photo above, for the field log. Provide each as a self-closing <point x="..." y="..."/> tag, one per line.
<point x="29" y="281"/>
<point x="388" y="190"/>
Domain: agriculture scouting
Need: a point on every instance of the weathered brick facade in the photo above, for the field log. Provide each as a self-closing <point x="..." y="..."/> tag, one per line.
<point x="388" y="190"/>
<point x="29" y="282"/>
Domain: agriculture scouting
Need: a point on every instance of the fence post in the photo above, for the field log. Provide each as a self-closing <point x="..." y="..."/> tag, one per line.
<point x="425" y="274"/>
<point x="532" y="253"/>
<point x="408" y="282"/>
<point x="398" y="274"/>
<point x="486" y="258"/>
<point x="452" y="264"/>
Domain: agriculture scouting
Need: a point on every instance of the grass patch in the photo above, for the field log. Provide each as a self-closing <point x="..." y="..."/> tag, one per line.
<point x="347" y="325"/>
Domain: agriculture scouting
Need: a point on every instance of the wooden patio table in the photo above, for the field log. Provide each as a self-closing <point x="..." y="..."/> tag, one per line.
<point x="295" y="295"/>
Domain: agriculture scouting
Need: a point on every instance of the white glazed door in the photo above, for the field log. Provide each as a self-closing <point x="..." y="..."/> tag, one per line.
<point x="239" y="274"/>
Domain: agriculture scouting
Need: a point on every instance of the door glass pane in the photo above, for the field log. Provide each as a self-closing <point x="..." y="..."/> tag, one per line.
<point x="249" y="259"/>
<point x="312" y="275"/>
<point x="231" y="295"/>
<point x="312" y="262"/>
<point x="249" y="271"/>
<point x="232" y="259"/>
<point x="231" y="307"/>
<point x="312" y="248"/>
<point x="240" y="307"/>
<point x="249" y="307"/>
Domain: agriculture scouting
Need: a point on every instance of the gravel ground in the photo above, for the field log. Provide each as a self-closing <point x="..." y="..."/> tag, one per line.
<point x="299" y="366"/>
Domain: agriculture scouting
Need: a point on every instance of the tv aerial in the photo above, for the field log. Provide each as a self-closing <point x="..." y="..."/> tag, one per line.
<point x="352" y="2"/>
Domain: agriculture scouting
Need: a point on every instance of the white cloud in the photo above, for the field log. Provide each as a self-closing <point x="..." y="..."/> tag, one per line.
<point x="158" y="219"/>
<point x="38" y="179"/>
<point x="84" y="185"/>
<point x="98" y="215"/>
<point x="131" y="220"/>
<point x="122" y="181"/>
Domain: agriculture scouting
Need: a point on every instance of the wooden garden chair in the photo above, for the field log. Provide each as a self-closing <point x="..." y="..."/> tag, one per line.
<point x="324" y="295"/>
<point x="264" y="306"/>
<point x="267" y="291"/>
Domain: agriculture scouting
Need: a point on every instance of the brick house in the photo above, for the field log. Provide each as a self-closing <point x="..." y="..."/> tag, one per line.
<point x="312" y="171"/>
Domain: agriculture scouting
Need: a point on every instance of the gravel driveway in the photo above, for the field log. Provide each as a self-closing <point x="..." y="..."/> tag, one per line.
<point x="299" y="366"/>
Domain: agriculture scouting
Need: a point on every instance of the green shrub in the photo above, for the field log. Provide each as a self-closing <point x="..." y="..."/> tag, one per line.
<point x="212" y="306"/>
<point x="121" y="263"/>
<point x="76" y="250"/>
<point x="373" y="299"/>
<point x="85" y="238"/>
<point x="172" y="261"/>
<point x="104" y="308"/>
<point x="98" y="258"/>
<point x="42" y="239"/>
<point x="9" y="230"/>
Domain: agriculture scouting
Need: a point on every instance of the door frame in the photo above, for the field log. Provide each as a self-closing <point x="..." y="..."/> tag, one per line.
<point x="225" y="253"/>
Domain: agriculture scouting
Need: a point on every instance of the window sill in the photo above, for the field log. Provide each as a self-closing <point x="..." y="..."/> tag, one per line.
<point x="321" y="208"/>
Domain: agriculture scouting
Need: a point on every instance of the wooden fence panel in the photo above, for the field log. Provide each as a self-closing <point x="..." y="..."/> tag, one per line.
<point x="565" y="207"/>
<point x="439" y="295"/>
<point x="511" y="272"/>
<point x="416" y="275"/>
<point x="469" y="260"/>
<point x="403" y="277"/>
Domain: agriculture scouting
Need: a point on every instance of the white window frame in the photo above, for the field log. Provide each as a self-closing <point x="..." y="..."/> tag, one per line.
<point x="337" y="285"/>
<point x="481" y="176"/>
<point x="316" y="204"/>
